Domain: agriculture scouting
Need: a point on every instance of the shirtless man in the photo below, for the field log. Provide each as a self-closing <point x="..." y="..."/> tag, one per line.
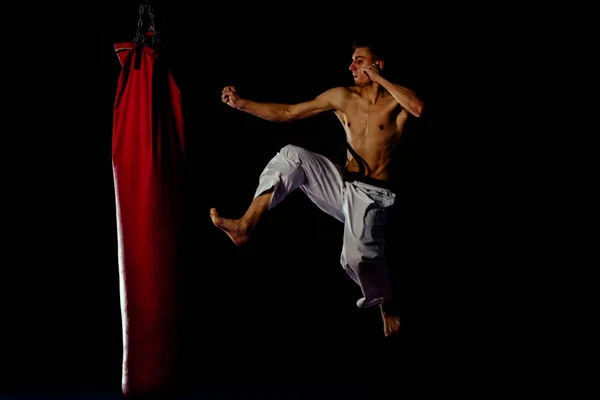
<point x="373" y="113"/>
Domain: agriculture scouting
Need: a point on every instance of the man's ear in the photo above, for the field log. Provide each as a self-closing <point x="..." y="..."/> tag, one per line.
<point x="380" y="63"/>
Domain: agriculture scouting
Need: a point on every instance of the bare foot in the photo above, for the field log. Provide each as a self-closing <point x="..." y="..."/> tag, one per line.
<point x="234" y="228"/>
<point x="391" y="323"/>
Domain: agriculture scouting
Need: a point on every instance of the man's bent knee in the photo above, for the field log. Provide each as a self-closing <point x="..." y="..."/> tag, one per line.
<point x="294" y="152"/>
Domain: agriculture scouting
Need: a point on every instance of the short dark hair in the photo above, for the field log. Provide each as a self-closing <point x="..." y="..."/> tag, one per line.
<point x="375" y="47"/>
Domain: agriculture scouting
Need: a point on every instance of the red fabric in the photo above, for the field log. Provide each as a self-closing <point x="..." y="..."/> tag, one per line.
<point x="147" y="158"/>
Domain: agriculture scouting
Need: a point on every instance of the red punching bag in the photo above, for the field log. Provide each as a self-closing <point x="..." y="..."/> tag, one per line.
<point x="147" y="160"/>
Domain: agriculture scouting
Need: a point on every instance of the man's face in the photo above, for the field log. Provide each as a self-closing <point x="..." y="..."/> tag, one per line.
<point x="361" y="58"/>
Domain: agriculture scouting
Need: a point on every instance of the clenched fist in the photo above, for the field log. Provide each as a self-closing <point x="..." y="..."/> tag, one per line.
<point x="230" y="97"/>
<point x="373" y="72"/>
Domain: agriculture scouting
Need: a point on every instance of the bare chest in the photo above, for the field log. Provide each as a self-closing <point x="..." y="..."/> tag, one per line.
<point x="364" y="121"/>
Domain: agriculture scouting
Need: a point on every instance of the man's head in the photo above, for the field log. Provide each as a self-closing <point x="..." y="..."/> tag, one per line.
<point x="365" y="53"/>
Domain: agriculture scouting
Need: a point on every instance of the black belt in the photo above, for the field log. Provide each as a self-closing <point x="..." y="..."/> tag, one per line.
<point x="354" y="176"/>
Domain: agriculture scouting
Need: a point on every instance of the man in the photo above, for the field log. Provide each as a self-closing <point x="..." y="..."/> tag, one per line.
<point x="373" y="113"/>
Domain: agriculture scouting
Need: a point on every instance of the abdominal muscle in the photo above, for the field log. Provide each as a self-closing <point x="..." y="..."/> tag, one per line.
<point x="371" y="155"/>
<point x="372" y="133"/>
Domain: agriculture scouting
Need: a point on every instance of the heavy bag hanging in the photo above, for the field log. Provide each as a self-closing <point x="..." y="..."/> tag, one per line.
<point x="147" y="159"/>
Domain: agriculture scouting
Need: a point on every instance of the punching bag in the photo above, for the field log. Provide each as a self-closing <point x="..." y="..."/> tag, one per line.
<point x="147" y="160"/>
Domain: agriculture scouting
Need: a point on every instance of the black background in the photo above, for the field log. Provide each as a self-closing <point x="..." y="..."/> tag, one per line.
<point x="276" y="316"/>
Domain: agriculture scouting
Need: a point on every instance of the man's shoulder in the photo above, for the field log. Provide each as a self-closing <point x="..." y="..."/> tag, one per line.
<point x="340" y="91"/>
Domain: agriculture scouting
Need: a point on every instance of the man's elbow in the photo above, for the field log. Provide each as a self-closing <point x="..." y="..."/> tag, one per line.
<point x="417" y="108"/>
<point x="283" y="118"/>
<point x="283" y="115"/>
<point x="280" y="116"/>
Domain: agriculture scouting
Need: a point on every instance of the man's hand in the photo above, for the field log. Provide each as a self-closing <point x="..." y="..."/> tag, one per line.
<point x="230" y="97"/>
<point x="373" y="72"/>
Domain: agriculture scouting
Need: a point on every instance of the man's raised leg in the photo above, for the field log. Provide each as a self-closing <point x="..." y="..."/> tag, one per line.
<point x="239" y="230"/>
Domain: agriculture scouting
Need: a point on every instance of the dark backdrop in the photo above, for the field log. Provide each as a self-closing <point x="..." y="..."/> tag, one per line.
<point x="277" y="315"/>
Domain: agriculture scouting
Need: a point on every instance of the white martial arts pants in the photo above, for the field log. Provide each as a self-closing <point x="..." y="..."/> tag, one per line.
<point x="362" y="208"/>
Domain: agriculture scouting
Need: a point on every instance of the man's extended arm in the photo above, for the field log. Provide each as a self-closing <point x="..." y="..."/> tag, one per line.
<point x="278" y="112"/>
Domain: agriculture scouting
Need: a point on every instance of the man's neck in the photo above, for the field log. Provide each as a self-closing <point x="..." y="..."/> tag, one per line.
<point x="372" y="91"/>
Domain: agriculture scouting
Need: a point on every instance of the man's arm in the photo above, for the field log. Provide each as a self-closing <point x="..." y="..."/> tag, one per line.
<point x="277" y="112"/>
<point x="407" y="98"/>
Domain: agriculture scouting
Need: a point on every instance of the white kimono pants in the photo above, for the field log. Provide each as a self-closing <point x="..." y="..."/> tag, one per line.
<point x="363" y="209"/>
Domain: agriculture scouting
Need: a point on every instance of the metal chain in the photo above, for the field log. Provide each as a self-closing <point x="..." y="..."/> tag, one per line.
<point x="152" y="27"/>
<point x="140" y="36"/>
